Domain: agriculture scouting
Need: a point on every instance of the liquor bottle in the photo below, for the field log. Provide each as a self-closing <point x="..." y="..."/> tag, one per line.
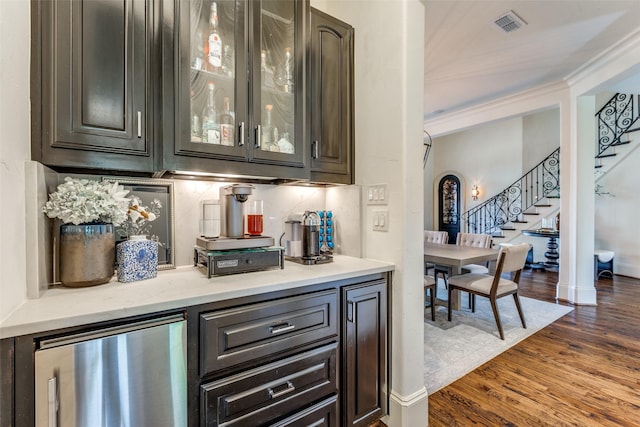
<point x="199" y="61"/>
<point x="228" y="60"/>
<point x="215" y="41"/>
<point x="226" y="124"/>
<point x="288" y="71"/>
<point x="210" y="125"/>
<point x="267" y="129"/>
<point x="196" y="127"/>
<point x="266" y="70"/>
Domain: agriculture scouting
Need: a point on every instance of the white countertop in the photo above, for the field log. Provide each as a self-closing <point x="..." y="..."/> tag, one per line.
<point x="62" y="307"/>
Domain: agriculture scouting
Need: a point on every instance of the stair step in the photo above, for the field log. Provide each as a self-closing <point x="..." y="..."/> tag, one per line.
<point x="507" y="228"/>
<point x="602" y="156"/>
<point x="517" y="221"/>
<point x="530" y="213"/>
<point x="632" y="130"/>
<point x="542" y="206"/>
<point x="598" y="166"/>
<point x="620" y="143"/>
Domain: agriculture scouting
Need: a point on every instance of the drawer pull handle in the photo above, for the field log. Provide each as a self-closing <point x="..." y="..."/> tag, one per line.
<point x="278" y="329"/>
<point x="288" y="389"/>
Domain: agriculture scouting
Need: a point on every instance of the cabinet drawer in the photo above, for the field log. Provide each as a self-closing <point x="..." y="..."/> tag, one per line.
<point x="233" y="336"/>
<point x="259" y="396"/>
<point x="323" y="414"/>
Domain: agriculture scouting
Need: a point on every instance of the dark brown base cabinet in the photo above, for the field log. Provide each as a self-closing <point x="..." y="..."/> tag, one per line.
<point x="315" y="355"/>
<point x="365" y="349"/>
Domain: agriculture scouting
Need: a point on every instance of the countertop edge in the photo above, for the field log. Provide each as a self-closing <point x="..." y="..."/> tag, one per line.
<point x="67" y="307"/>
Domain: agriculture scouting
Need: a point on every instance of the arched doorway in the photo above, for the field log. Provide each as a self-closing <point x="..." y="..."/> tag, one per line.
<point x="449" y="206"/>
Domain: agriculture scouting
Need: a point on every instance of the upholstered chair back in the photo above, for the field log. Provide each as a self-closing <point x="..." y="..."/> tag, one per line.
<point x="474" y="240"/>
<point x="514" y="257"/>
<point x="440" y="237"/>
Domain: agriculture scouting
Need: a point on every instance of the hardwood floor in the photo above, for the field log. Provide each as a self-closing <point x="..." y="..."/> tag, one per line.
<point x="582" y="370"/>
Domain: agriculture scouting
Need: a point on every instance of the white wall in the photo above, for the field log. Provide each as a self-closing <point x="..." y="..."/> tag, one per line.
<point x="489" y="156"/>
<point x="616" y="214"/>
<point x="14" y="150"/>
<point x="389" y="66"/>
<point x="540" y="137"/>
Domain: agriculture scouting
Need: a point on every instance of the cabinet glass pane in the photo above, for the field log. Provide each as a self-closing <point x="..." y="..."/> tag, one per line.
<point x="277" y="59"/>
<point x="212" y="48"/>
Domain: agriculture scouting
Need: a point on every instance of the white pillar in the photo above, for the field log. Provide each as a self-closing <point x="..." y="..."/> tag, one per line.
<point x="577" y="205"/>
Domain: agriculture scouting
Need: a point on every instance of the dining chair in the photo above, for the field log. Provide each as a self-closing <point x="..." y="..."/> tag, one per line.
<point x="438" y="237"/>
<point x="477" y="241"/>
<point x="430" y="285"/>
<point x="469" y="240"/>
<point x="511" y="259"/>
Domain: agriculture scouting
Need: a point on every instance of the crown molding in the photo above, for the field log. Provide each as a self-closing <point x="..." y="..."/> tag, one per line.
<point x="535" y="99"/>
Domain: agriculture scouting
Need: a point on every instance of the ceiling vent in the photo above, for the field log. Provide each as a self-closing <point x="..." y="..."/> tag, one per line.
<point x="509" y="22"/>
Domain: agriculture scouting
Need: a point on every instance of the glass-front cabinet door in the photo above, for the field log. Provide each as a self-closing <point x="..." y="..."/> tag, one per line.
<point x="211" y="110"/>
<point x="239" y="91"/>
<point x="278" y="60"/>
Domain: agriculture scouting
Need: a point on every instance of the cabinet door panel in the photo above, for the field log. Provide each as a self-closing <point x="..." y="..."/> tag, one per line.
<point x="365" y="352"/>
<point x="95" y="60"/>
<point x="331" y="99"/>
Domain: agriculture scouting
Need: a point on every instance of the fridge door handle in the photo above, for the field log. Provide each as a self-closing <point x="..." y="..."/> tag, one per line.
<point x="52" y="394"/>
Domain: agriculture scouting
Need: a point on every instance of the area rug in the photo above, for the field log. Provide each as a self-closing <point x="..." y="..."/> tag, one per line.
<point x="453" y="349"/>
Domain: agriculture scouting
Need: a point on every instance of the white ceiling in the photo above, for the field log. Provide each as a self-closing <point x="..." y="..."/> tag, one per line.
<point x="469" y="61"/>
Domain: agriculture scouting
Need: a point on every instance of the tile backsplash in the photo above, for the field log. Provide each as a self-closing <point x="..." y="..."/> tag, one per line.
<point x="279" y="203"/>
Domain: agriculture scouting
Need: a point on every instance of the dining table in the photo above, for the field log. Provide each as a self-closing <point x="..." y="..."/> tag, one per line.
<point x="456" y="257"/>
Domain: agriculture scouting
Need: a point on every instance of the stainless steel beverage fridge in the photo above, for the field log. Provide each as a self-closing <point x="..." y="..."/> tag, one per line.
<point x="131" y="375"/>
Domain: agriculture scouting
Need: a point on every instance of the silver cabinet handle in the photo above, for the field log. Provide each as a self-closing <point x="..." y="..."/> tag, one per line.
<point x="139" y="124"/>
<point x="241" y="134"/>
<point x="351" y="312"/>
<point x="52" y="397"/>
<point x="315" y="148"/>
<point x="275" y="394"/>
<point x="278" y="329"/>
<point x="258" y="136"/>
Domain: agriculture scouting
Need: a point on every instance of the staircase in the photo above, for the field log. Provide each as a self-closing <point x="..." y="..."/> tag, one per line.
<point x="536" y="195"/>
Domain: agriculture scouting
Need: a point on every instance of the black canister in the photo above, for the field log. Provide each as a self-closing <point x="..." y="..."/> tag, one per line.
<point x="310" y="234"/>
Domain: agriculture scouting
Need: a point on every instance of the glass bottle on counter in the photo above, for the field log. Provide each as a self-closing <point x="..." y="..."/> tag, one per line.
<point x="210" y="124"/>
<point x="267" y="129"/>
<point x="215" y="41"/>
<point x="226" y="124"/>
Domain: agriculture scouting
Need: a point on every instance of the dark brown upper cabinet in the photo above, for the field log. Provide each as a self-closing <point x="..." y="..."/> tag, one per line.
<point x="331" y="87"/>
<point x="91" y="84"/>
<point x="245" y="60"/>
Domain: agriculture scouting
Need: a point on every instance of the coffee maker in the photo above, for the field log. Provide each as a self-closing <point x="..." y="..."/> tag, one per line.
<point x="302" y="239"/>
<point x="232" y="199"/>
<point x="234" y="251"/>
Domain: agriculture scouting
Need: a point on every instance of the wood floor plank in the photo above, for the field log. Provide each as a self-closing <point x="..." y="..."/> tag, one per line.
<point x="582" y="370"/>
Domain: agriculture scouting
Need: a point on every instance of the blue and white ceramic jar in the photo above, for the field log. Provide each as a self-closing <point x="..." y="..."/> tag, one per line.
<point x="137" y="259"/>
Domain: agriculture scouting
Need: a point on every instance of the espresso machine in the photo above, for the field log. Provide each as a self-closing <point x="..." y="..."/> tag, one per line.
<point x="234" y="251"/>
<point x="302" y="239"/>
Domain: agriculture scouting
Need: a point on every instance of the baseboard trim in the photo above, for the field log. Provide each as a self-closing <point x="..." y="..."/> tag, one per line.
<point x="408" y="411"/>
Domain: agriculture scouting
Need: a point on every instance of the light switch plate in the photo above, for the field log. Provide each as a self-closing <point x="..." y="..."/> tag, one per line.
<point x="377" y="194"/>
<point x="380" y="220"/>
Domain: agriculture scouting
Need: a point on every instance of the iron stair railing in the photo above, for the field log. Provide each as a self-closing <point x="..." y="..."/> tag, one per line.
<point x="615" y="118"/>
<point x="542" y="181"/>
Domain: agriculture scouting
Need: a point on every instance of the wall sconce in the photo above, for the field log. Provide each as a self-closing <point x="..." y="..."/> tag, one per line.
<point x="475" y="192"/>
